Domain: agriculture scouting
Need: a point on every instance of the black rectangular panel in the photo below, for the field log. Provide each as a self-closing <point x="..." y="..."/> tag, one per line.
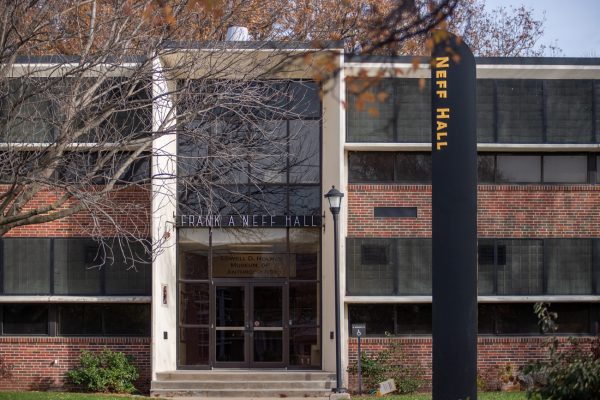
<point x="395" y="212"/>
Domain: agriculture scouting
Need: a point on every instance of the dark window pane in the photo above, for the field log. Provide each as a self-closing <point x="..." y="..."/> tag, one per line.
<point x="413" y="107"/>
<point x="373" y="120"/>
<point x="413" y="266"/>
<point x="522" y="270"/>
<point x="193" y="266"/>
<point x="413" y="319"/>
<point x="573" y="318"/>
<point x="305" y="245"/>
<point x="25" y="319"/>
<point x="77" y="266"/>
<point x="485" y="168"/>
<point x="305" y="349"/>
<point x="413" y="168"/>
<point x="269" y="159"/>
<point x="193" y="346"/>
<point x="267" y="306"/>
<point x="485" y="110"/>
<point x="379" y="318"/>
<point x="80" y="319"/>
<point x="306" y="266"/>
<point x="27" y="112"/>
<point x="230" y="306"/>
<point x="127" y="319"/>
<point x="268" y="346"/>
<point x="374" y="278"/>
<point x="518" y="169"/>
<point x="305" y="200"/>
<point x="565" y="169"/>
<point x="304" y="98"/>
<point x="569" y="266"/>
<point x="514" y="319"/>
<point x="569" y="110"/>
<point x="26" y="266"/>
<point x="129" y="273"/>
<point x="230" y="346"/>
<point x="305" y="151"/>
<point x="597" y="103"/>
<point x="304" y="304"/>
<point x="486" y="319"/>
<point x="371" y="254"/>
<point x="485" y="275"/>
<point x="520" y="111"/>
<point x="271" y="200"/>
<point x="370" y="167"/>
<point x="193" y="303"/>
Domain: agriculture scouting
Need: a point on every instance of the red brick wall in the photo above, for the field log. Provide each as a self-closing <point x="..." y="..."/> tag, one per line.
<point x="493" y="352"/>
<point x="129" y="209"/>
<point x="503" y="211"/>
<point x="33" y="359"/>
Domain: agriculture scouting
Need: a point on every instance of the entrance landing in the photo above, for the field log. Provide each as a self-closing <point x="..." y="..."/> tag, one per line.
<point x="246" y="384"/>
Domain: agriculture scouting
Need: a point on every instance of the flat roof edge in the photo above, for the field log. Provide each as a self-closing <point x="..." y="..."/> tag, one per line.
<point x="357" y="58"/>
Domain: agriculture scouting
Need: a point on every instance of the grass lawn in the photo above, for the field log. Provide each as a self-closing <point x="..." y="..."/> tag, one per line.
<point x="86" y="396"/>
<point x="65" y="396"/>
<point x="480" y="396"/>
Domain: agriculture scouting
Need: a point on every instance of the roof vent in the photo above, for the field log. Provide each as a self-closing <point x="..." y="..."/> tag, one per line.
<point x="237" y="34"/>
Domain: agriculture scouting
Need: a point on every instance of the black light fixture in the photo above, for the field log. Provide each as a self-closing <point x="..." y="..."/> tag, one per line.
<point x="334" y="197"/>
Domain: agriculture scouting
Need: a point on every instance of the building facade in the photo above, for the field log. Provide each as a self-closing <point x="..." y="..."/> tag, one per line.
<point x="245" y="275"/>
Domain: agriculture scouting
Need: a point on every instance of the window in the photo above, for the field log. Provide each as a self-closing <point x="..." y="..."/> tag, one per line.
<point x="27" y="112"/>
<point x="493" y="318"/>
<point x="388" y="267"/>
<point x="26" y="266"/>
<point x="77" y="266"/>
<point x="565" y="169"/>
<point x="518" y="168"/>
<point x="273" y="167"/>
<point x="389" y="167"/>
<point x="508" y="111"/>
<point x="569" y="266"/>
<point x="76" y="319"/>
<point x="569" y="110"/>
<point x="536" y="168"/>
<point x="524" y="267"/>
<point x="25" y="319"/>
<point x="486" y="111"/>
<point x="409" y="167"/>
<point x="507" y="267"/>
<point x="372" y="121"/>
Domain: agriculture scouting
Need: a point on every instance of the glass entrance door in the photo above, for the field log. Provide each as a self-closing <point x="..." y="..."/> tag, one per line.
<point x="249" y="328"/>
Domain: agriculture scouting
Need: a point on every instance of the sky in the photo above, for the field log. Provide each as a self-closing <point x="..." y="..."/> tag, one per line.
<point x="572" y="25"/>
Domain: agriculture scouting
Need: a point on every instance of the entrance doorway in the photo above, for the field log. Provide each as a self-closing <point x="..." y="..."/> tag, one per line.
<point x="250" y="330"/>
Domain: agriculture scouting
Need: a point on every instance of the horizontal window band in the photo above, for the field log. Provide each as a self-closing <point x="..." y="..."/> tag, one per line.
<point x="480" y="299"/>
<point x="75" y="299"/>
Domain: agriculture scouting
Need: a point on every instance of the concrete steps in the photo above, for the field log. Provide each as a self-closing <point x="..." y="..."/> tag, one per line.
<point x="243" y="384"/>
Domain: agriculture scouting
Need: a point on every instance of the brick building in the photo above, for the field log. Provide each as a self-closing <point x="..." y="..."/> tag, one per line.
<point x="252" y="288"/>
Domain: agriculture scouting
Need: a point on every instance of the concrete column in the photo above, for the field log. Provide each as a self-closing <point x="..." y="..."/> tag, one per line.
<point x="334" y="136"/>
<point x="164" y="206"/>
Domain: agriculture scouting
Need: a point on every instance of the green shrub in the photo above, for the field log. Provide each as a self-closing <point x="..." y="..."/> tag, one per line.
<point x="389" y="364"/>
<point x="571" y="374"/>
<point x="107" y="371"/>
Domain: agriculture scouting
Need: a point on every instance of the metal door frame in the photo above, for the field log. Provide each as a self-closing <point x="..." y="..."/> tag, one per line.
<point x="248" y="285"/>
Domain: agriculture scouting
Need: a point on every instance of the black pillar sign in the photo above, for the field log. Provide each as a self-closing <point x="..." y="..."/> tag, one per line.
<point x="454" y="225"/>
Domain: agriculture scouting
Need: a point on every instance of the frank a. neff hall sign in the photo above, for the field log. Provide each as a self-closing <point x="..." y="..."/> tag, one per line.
<point x="248" y="221"/>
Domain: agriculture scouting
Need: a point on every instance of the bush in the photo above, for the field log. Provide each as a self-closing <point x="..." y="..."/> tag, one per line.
<point x="570" y="374"/>
<point x="389" y="364"/>
<point x="107" y="371"/>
